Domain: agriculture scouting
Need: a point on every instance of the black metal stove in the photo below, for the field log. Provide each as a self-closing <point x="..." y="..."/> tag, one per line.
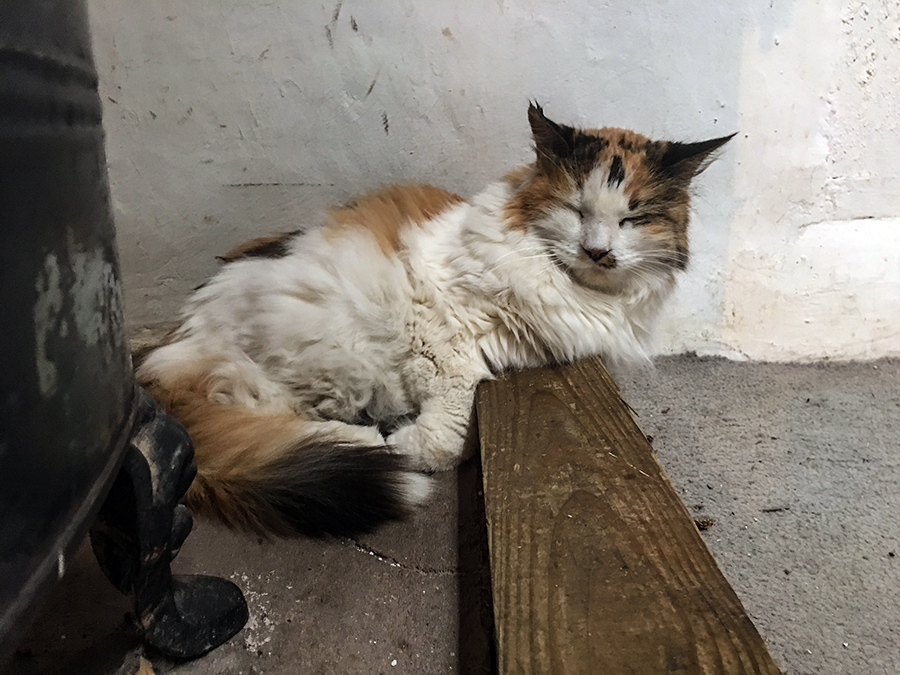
<point x="80" y="446"/>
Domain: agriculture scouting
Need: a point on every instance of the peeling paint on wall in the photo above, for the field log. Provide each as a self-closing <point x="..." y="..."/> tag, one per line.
<point x="87" y="311"/>
<point x="46" y="315"/>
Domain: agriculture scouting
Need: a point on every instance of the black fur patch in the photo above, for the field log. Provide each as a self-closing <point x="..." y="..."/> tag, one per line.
<point x="630" y="146"/>
<point x="585" y="157"/>
<point x="552" y="141"/>
<point x="330" y="490"/>
<point x="561" y="146"/>
<point x="616" y="172"/>
<point x="271" y="249"/>
<point x="275" y="246"/>
<point x="689" y="159"/>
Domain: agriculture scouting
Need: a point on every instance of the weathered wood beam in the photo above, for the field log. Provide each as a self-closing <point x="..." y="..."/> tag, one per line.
<point x="597" y="566"/>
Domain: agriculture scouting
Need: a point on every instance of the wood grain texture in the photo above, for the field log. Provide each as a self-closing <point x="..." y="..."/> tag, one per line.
<point x="597" y="566"/>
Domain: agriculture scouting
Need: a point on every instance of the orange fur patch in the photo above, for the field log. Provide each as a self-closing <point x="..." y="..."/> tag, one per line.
<point x="219" y="430"/>
<point x="233" y="445"/>
<point x="273" y="472"/>
<point x="386" y="212"/>
<point x="534" y="193"/>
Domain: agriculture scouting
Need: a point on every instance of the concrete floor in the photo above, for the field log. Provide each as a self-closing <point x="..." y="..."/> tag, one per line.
<point x="798" y="467"/>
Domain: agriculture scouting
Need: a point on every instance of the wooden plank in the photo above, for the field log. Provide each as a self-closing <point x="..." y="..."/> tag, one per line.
<point x="597" y="566"/>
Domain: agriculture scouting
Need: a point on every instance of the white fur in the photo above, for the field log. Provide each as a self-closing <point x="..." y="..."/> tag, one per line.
<point x="336" y="330"/>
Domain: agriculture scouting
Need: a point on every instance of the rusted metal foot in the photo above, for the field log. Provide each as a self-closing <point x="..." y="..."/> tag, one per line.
<point x="140" y="529"/>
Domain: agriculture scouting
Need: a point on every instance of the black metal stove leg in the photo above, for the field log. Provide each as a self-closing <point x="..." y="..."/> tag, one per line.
<point x="140" y="529"/>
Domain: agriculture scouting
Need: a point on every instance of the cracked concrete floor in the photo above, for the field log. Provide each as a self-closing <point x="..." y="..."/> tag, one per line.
<point x="795" y="465"/>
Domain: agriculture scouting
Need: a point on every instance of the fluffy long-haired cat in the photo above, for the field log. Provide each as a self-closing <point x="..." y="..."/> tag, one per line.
<point x="319" y="371"/>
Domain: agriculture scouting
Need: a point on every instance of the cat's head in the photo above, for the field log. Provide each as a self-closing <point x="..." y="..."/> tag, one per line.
<point x="611" y="206"/>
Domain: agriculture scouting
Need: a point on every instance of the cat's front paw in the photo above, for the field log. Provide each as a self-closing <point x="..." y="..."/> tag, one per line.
<point x="423" y="455"/>
<point x="405" y="441"/>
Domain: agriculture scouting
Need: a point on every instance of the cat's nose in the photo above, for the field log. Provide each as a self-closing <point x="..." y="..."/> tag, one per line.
<point x="596" y="254"/>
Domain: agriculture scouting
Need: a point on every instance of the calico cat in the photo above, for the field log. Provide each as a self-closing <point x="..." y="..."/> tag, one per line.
<point x="319" y="371"/>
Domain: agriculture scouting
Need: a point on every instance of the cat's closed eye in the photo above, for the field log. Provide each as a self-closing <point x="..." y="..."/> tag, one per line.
<point x="577" y="210"/>
<point x="643" y="219"/>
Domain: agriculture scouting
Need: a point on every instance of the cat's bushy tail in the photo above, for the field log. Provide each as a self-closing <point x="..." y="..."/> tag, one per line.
<point x="280" y="474"/>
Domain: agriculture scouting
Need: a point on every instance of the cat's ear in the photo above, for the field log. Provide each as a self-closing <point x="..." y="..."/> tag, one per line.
<point x="686" y="160"/>
<point x="553" y="142"/>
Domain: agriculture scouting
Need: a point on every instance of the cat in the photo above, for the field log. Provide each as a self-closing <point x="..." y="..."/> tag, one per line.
<point x="320" y="371"/>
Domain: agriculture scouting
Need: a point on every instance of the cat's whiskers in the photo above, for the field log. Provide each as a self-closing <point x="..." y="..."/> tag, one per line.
<point x="643" y="275"/>
<point x="665" y="252"/>
<point x="654" y="259"/>
<point x="516" y="252"/>
<point x="650" y="275"/>
<point x="519" y="258"/>
<point x="552" y="254"/>
<point x="661" y="264"/>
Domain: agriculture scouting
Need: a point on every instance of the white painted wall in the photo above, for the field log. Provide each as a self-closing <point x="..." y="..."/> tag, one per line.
<point x="228" y="119"/>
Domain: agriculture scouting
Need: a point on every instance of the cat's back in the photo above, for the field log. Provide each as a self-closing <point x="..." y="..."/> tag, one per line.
<point x="361" y="236"/>
<point x="350" y="273"/>
<point x="389" y="213"/>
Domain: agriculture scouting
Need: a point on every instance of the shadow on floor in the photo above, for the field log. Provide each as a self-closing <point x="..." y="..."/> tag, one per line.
<point x="81" y="629"/>
<point x="477" y="650"/>
<point x="414" y="597"/>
